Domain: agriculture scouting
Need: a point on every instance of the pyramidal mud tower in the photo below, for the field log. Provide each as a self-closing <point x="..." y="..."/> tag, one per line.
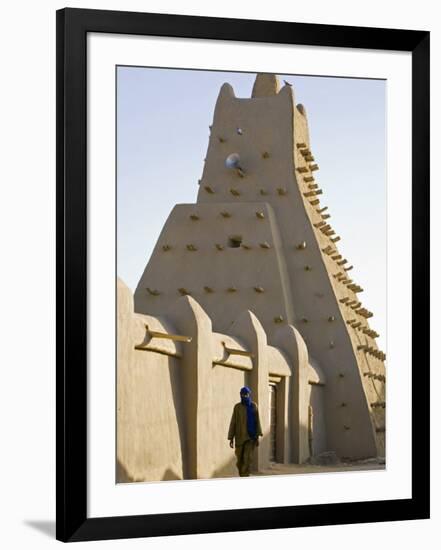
<point x="248" y="286"/>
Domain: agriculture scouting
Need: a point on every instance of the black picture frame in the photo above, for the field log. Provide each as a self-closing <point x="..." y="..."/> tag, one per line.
<point x="72" y="523"/>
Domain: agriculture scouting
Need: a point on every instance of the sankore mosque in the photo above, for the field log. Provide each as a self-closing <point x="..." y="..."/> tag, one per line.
<point x="247" y="287"/>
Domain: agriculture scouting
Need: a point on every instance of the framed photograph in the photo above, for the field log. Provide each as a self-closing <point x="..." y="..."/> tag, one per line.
<point x="242" y="275"/>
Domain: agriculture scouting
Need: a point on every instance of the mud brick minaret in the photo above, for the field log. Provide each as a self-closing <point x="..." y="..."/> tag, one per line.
<point x="260" y="238"/>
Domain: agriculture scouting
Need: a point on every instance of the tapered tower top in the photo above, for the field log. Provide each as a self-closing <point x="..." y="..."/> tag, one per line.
<point x="265" y="85"/>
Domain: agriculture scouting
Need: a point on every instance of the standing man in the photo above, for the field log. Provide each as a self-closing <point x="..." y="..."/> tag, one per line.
<point x="245" y="430"/>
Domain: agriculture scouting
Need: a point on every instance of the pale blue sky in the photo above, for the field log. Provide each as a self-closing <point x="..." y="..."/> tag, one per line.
<point x="169" y="110"/>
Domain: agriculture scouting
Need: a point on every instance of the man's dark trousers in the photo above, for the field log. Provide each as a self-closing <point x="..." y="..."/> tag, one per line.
<point x="244" y="456"/>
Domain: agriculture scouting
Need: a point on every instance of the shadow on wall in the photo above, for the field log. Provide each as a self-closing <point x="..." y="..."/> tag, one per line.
<point x="176" y="382"/>
<point x="170" y="475"/>
<point x="122" y="475"/>
<point x="226" y="470"/>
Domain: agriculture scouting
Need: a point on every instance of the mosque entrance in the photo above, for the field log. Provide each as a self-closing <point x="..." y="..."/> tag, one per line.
<point x="273" y="422"/>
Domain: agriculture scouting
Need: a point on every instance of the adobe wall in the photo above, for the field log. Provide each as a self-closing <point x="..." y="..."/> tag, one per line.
<point x="225" y="281"/>
<point x="175" y="399"/>
<point x="149" y="404"/>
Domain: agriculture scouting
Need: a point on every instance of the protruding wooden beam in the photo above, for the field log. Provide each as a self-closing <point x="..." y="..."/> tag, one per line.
<point x="167" y="336"/>
<point x="234" y="351"/>
<point x="153" y="291"/>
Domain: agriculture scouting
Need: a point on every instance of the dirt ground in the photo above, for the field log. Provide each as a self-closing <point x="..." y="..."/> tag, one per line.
<point x="287" y="469"/>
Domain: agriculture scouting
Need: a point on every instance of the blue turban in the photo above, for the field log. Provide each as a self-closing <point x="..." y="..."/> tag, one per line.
<point x="251" y="417"/>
